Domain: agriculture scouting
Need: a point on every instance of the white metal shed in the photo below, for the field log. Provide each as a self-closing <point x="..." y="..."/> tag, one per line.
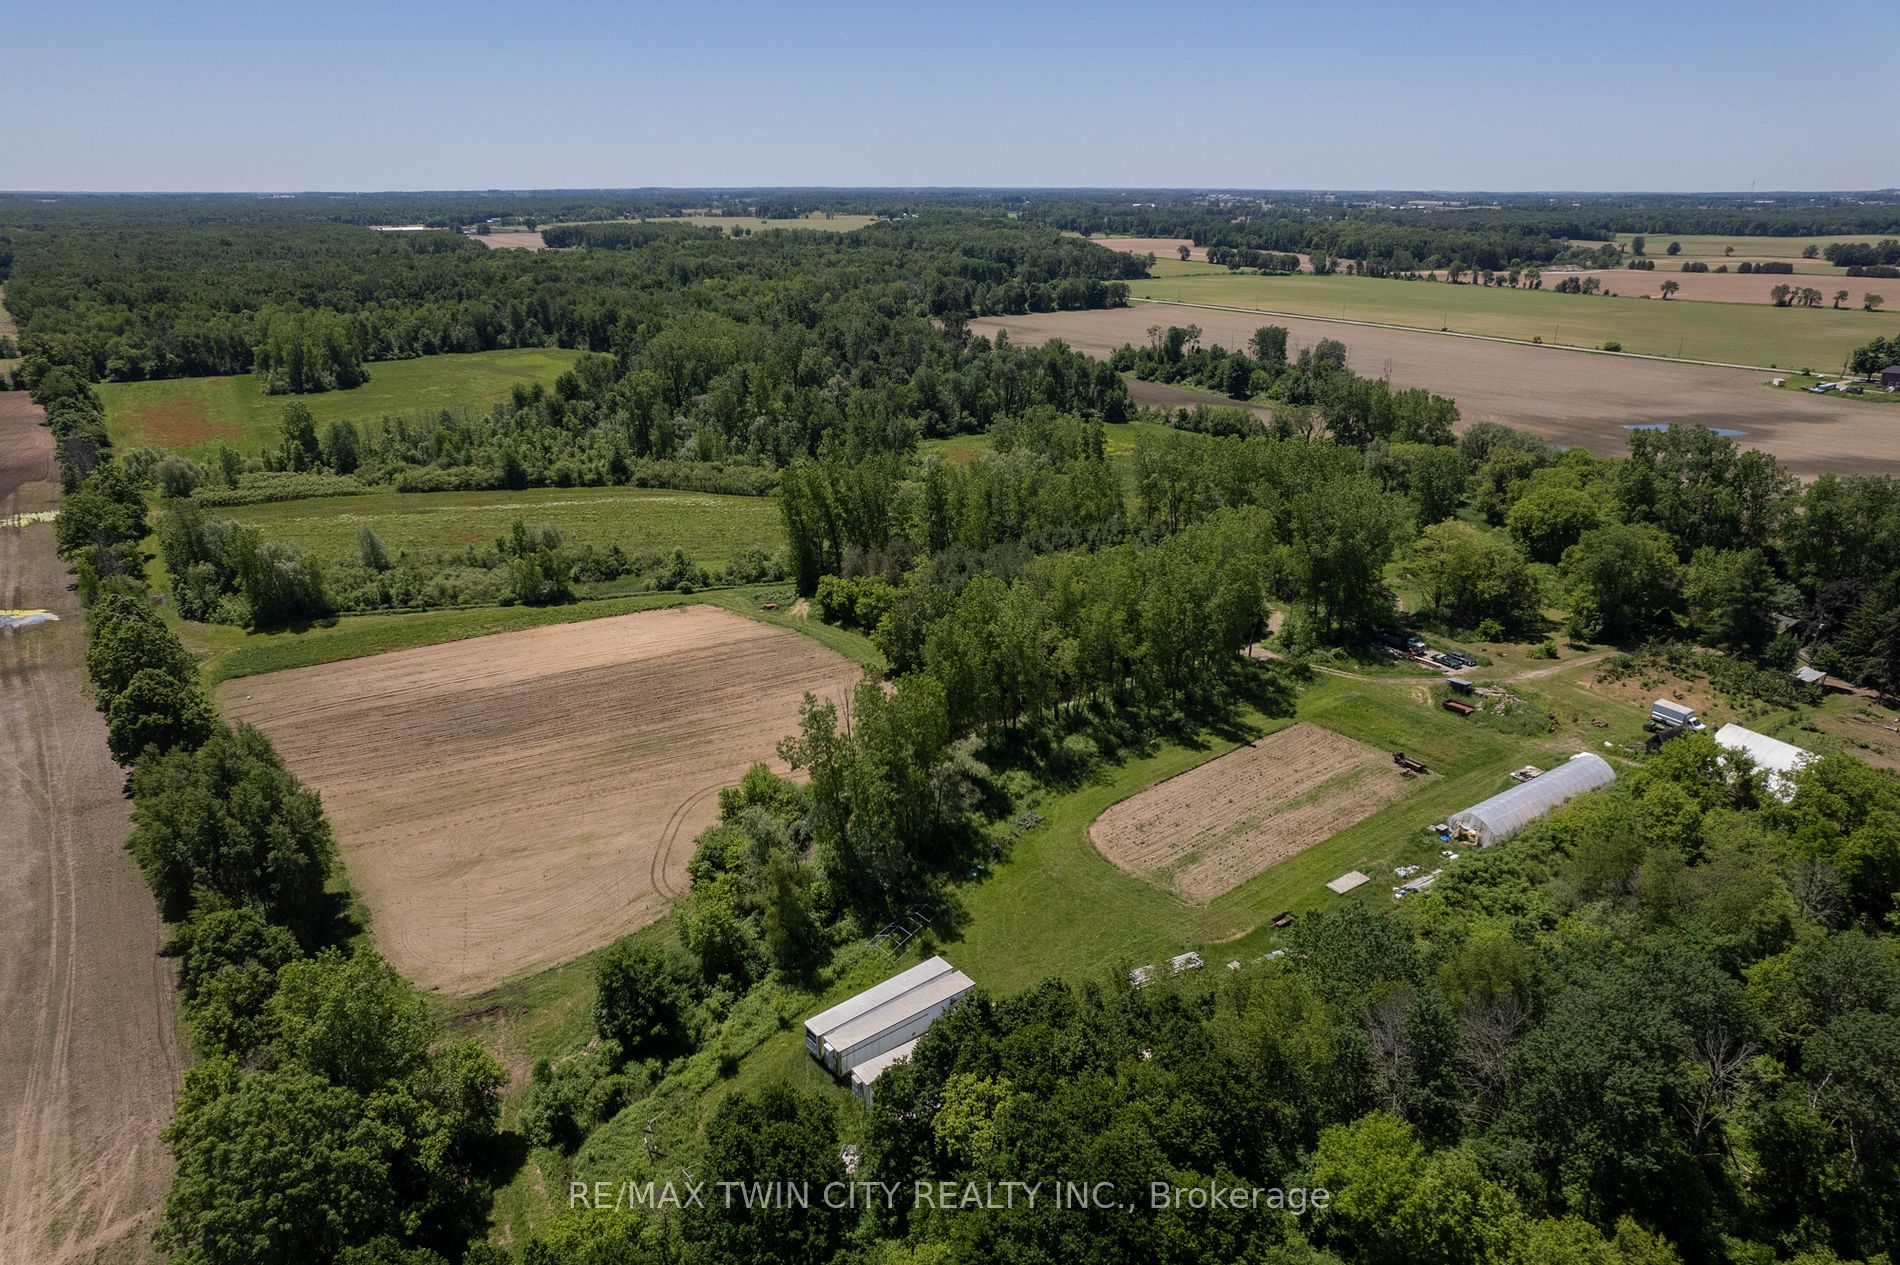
<point x="1506" y="813"/>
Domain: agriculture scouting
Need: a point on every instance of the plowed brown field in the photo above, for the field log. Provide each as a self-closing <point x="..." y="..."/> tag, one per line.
<point x="1568" y="397"/>
<point x="506" y="803"/>
<point x="89" y="1049"/>
<point x="1216" y="826"/>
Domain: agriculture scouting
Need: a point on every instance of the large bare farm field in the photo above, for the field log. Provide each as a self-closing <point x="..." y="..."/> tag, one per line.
<point x="1169" y="248"/>
<point x="1568" y="397"/>
<point x="89" y="1050"/>
<point x="1212" y="828"/>
<point x="506" y="803"/>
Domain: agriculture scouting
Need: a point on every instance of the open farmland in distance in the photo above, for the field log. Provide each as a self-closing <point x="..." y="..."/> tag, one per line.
<point x="194" y="415"/>
<point x="507" y="803"/>
<point x="1721" y="287"/>
<point x="1567" y="397"/>
<point x="1207" y="831"/>
<point x="1731" y="333"/>
<point x="640" y="520"/>
<point x="1714" y="249"/>
<point x="816" y="221"/>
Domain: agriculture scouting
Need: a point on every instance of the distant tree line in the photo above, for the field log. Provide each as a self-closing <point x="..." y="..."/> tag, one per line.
<point x="307" y="306"/>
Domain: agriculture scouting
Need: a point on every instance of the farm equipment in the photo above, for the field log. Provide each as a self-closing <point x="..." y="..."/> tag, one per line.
<point x="1408" y="764"/>
<point x="1457" y="708"/>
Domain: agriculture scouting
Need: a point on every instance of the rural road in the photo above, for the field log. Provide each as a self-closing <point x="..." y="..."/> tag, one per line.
<point x="89" y="1045"/>
<point x="1567" y="397"/>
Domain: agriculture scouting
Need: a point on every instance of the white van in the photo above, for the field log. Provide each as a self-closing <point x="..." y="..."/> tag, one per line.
<point x="1664" y="714"/>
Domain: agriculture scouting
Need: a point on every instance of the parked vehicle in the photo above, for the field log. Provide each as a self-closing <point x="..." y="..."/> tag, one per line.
<point x="1449" y="660"/>
<point x="1664" y="714"/>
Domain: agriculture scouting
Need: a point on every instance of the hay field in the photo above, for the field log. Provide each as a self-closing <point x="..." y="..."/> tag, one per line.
<point x="507" y="803"/>
<point x="1214" y="827"/>
<point x="510" y="240"/>
<point x="1731" y="333"/>
<point x="1568" y="397"/>
<point x="194" y="415"/>
<point x="640" y="520"/>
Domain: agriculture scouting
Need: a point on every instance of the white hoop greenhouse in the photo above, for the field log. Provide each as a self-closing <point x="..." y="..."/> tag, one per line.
<point x="1503" y="815"/>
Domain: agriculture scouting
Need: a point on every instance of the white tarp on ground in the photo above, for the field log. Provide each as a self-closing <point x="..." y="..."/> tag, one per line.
<point x="1504" y="814"/>
<point x="21" y="520"/>
<point x="1779" y="760"/>
<point x="1346" y="882"/>
<point x="25" y="619"/>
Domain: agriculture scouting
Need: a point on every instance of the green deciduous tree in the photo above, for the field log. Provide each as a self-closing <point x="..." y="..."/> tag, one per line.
<point x="157" y="712"/>
<point x="1624" y="582"/>
<point x="227" y="823"/>
<point x="642" y="997"/>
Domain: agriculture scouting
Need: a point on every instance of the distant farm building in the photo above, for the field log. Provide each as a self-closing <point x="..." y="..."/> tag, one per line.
<point x="1890" y="376"/>
<point x="1507" y="813"/>
<point x="1779" y="760"/>
<point x="861" y="1036"/>
<point x="1810" y="676"/>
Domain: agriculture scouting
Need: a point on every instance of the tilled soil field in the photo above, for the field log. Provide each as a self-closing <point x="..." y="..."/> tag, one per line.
<point x="89" y="1049"/>
<point x="1214" y="827"/>
<point x="1568" y="397"/>
<point x="506" y="803"/>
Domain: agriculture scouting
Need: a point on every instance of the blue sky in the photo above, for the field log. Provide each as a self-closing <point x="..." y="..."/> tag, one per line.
<point x="546" y="93"/>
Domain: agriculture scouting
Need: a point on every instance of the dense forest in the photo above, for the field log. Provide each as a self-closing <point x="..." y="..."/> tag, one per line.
<point x="309" y="305"/>
<point x="1662" y="1026"/>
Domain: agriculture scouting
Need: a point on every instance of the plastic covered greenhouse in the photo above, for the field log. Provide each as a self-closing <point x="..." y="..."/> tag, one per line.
<point x="1503" y="815"/>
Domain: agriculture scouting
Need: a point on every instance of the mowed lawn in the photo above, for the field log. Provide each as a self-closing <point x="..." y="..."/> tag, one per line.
<point x="1732" y="333"/>
<point x="640" y="520"/>
<point x="194" y="415"/>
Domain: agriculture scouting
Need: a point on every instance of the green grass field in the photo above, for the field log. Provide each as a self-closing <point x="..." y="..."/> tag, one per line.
<point x="194" y="415"/>
<point x="1120" y="439"/>
<point x="1737" y="333"/>
<point x="640" y="520"/>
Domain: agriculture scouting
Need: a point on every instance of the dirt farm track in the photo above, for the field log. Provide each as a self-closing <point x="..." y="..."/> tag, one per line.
<point x="506" y="803"/>
<point x="89" y="1049"/>
<point x="1568" y="397"/>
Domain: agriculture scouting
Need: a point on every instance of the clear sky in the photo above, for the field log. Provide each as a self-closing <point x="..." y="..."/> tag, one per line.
<point x="408" y="94"/>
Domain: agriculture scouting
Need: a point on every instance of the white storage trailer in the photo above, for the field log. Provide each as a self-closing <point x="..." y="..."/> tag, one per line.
<point x="827" y="1021"/>
<point x="890" y="1025"/>
<point x="883" y="1018"/>
<point x="864" y="1075"/>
